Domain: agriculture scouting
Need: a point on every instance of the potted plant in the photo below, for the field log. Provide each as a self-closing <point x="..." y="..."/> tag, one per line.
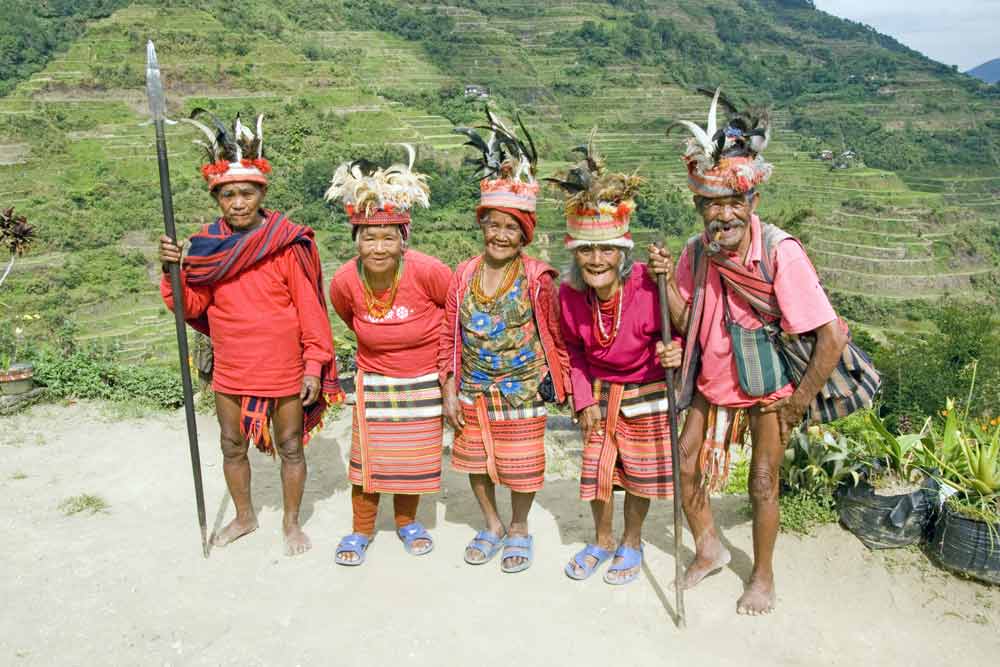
<point x="967" y="534"/>
<point x="893" y="502"/>
<point x="16" y="236"/>
<point x="16" y="378"/>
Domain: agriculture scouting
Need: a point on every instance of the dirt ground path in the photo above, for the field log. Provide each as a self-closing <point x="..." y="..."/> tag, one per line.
<point x="128" y="586"/>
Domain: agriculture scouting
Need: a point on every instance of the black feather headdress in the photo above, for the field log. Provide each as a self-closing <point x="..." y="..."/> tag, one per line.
<point x="503" y="155"/>
<point x="589" y="187"/>
<point x="506" y="164"/>
<point x="727" y="160"/>
<point x="230" y="153"/>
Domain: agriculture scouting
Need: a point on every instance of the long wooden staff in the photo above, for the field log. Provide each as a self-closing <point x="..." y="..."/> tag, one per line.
<point x="666" y="332"/>
<point x="157" y="107"/>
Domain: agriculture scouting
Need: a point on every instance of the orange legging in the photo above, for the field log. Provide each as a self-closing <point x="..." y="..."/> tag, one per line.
<point x="366" y="509"/>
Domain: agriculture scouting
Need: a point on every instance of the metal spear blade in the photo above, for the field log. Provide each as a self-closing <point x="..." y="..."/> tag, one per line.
<point x="154" y="85"/>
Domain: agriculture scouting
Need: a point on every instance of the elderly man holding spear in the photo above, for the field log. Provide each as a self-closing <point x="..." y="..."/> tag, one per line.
<point x="252" y="281"/>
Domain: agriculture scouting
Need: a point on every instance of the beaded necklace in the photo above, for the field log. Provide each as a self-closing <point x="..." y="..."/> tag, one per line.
<point x="379" y="308"/>
<point x="510" y="274"/>
<point x="612" y="308"/>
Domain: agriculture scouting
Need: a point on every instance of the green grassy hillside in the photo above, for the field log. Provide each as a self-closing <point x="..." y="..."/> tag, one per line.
<point x="913" y="221"/>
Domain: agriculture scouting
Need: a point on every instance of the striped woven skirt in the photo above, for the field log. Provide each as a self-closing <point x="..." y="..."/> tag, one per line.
<point x="634" y="452"/>
<point x="504" y="442"/>
<point x="397" y="433"/>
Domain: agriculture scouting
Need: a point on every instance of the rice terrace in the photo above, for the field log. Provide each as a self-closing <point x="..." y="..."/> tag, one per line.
<point x="882" y="162"/>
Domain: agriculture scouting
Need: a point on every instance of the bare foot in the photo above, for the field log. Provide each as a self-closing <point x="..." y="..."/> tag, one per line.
<point x="711" y="557"/>
<point x="758" y="598"/>
<point x="296" y="541"/>
<point x="234" y="530"/>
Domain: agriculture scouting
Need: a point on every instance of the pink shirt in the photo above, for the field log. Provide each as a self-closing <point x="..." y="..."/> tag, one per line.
<point x="631" y="357"/>
<point x="804" y="307"/>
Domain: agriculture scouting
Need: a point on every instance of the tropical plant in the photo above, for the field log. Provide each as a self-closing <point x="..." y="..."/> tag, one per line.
<point x="818" y="460"/>
<point x="900" y="455"/>
<point x="966" y="453"/>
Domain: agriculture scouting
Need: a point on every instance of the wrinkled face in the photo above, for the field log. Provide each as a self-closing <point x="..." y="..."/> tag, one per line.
<point x="728" y="218"/>
<point x="600" y="265"/>
<point x="502" y="237"/>
<point x="240" y="203"/>
<point x="380" y="247"/>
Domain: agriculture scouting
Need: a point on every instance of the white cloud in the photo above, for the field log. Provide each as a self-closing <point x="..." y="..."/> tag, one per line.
<point x="958" y="32"/>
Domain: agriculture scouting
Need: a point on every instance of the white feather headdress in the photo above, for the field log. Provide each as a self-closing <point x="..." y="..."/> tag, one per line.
<point x="365" y="188"/>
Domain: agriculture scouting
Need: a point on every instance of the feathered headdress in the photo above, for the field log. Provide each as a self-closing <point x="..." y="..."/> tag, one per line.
<point x="727" y="161"/>
<point x="373" y="195"/>
<point x="231" y="156"/>
<point x="506" y="165"/>
<point x="599" y="204"/>
<point x="15" y="233"/>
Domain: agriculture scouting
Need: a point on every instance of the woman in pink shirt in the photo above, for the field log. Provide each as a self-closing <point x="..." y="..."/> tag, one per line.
<point x="616" y="369"/>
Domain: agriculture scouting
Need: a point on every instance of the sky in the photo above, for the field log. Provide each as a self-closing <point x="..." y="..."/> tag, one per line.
<point x="955" y="32"/>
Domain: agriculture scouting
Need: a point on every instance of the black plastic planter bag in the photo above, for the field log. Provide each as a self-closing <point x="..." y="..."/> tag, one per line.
<point x="964" y="545"/>
<point x="886" y="522"/>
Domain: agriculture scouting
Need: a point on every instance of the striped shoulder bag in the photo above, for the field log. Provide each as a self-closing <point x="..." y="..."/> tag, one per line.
<point x="854" y="381"/>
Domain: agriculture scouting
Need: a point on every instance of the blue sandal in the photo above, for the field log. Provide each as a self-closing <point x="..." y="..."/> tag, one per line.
<point x="412" y="532"/>
<point x="518" y="547"/>
<point x="486" y="543"/>
<point x="631" y="558"/>
<point x="592" y="550"/>
<point x="355" y="543"/>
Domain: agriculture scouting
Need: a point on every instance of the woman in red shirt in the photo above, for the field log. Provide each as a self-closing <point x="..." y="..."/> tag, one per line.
<point x="393" y="300"/>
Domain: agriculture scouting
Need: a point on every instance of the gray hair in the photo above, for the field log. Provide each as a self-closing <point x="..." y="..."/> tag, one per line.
<point x="574" y="276"/>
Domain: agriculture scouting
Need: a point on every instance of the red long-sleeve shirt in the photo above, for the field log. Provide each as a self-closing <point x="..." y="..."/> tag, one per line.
<point x="268" y="327"/>
<point x="405" y="342"/>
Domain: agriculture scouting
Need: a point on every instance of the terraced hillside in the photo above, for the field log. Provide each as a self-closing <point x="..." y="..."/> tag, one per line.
<point x="334" y="79"/>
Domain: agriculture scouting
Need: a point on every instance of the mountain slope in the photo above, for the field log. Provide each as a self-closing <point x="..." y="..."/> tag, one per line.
<point x="911" y="219"/>
<point x="988" y="71"/>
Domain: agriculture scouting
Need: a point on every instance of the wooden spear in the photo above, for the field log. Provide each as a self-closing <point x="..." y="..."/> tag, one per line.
<point x="157" y="107"/>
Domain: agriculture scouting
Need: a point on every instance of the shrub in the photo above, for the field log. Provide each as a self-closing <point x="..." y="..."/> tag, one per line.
<point x="93" y="374"/>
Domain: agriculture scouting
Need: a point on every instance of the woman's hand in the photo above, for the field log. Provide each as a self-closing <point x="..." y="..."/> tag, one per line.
<point x="670" y="355"/>
<point x="451" y="406"/>
<point x="170" y="252"/>
<point x="590" y="421"/>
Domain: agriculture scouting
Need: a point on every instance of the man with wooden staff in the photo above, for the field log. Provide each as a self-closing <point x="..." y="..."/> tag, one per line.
<point x="252" y="281"/>
<point x="734" y="286"/>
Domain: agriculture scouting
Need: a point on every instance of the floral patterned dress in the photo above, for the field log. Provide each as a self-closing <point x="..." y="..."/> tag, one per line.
<point x="501" y="349"/>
